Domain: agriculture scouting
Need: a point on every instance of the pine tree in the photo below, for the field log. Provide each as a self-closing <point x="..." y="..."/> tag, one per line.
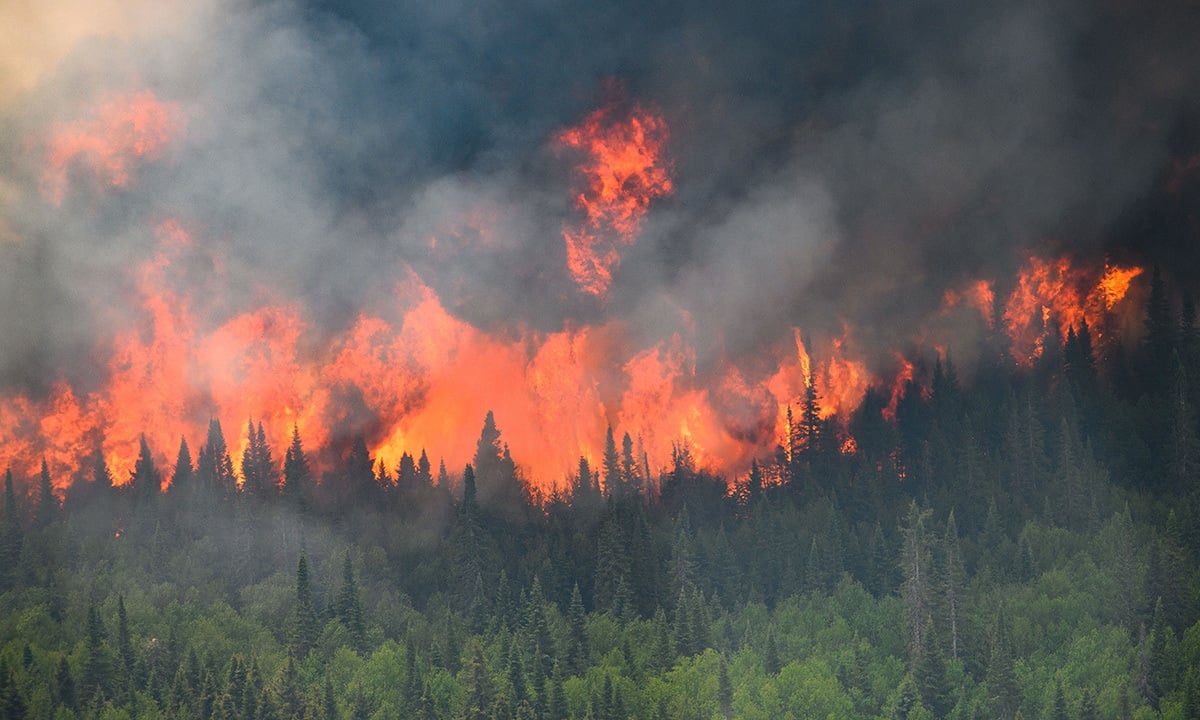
<point x="64" y="684"/>
<point x="1059" y="711"/>
<point x="297" y="477"/>
<point x="953" y="588"/>
<point x="349" y="605"/>
<point x="577" y="644"/>
<point x="1160" y="328"/>
<point x="930" y="675"/>
<point x="612" y="562"/>
<point x="12" y="537"/>
<point x="724" y="690"/>
<point x="181" y="476"/>
<point x="917" y="588"/>
<point x="1183" y="444"/>
<point x="124" y="652"/>
<point x="96" y="671"/>
<point x="47" y="507"/>
<point x="359" y="487"/>
<point x="771" y="662"/>
<point x="1003" y="693"/>
<point x="305" y="625"/>
<point x="500" y="491"/>
<point x="1088" y="709"/>
<point x="289" y="696"/>
<point x="479" y="684"/>
<point x="810" y="419"/>
<point x="12" y="704"/>
<point x="259" y="475"/>
<point x="214" y="467"/>
<point x="1191" y="692"/>
<point x="145" y="482"/>
<point x="613" y="484"/>
<point x="630" y="473"/>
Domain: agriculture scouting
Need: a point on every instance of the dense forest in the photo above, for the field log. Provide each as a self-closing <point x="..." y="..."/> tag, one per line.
<point x="1024" y="544"/>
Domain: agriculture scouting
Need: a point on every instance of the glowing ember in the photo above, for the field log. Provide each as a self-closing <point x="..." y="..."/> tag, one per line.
<point x="621" y="172"/>
<point x="123" y="130"/>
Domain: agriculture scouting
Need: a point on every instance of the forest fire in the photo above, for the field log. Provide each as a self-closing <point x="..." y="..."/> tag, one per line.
<point x="412" y="375"/>
<point x="622" y="170"/>
<point x="1055" y="292"/>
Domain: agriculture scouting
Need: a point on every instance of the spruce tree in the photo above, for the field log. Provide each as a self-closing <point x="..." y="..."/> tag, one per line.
<point x="297" y="477"/>
<point x="613" y="484"/>
<point x="953" y="588"/>
<point x="305" y="626"/>
<point x="1003" y="693"/>
<point x="12" y="538"/>
<point x="577" y="647"/>
<point x="47" y="507"/>
<point x="349" y="605"/>
<point x="917" y="589"/>
<point x="145" y="482"/>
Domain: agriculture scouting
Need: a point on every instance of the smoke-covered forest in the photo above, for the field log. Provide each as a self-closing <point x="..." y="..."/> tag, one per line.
<point x="1022" y="545"/>
<point x="583" y="360"/>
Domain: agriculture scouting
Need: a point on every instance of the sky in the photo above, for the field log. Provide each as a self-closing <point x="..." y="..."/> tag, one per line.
<point x="834" y="168"/>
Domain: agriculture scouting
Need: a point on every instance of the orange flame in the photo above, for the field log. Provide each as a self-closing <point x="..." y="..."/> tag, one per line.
<point x="123" y="130"/>
<point x="904" y="375"/>
<point x="978" y="295"/>
<point x="622" y="171"/>
<point x="414" y="376"/>
<point x="841" y="381"/>
<point x="1056" y="291"/>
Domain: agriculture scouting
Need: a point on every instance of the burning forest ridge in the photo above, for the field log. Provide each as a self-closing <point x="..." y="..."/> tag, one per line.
<point x="413" y="377"/>
<point x="687" y="235"/>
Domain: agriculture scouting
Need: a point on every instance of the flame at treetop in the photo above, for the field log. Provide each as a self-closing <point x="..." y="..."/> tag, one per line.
<point x="123" y="130"/>
<point x="410" y="375"/>
<point x="622" y="170"/>
<point x="1056" y="291"/>
<point x="841" y="381"/>
<point x="418" y="378"/>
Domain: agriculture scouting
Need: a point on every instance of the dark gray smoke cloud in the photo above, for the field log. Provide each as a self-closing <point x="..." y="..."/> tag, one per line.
<point x="833" y="161"/>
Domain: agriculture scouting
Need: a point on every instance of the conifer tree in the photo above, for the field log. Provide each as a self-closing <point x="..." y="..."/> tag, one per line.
<point x="953" y="588"/>
<point x="214" y="467"/>
<point x="349" y="605"/>
<point x="96" y="669"/>
<point x="630" y="472"/>
<point x="145" y="481"/>
<point x="297" y="477"/>
<point x="917" y="588"/>
<point x="613" y="484"/>
<point x="124" y="651"/>
<point x="181" y="475"/>
<point x="47" y="507"/>
<point x="305" y="625"/>
<point x="1183" y="444"/>
<point x="1003" y="693"/>
<point x="260" y="478"/>
<point x="12" y="538"/>
<point x="577" y="647"/>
